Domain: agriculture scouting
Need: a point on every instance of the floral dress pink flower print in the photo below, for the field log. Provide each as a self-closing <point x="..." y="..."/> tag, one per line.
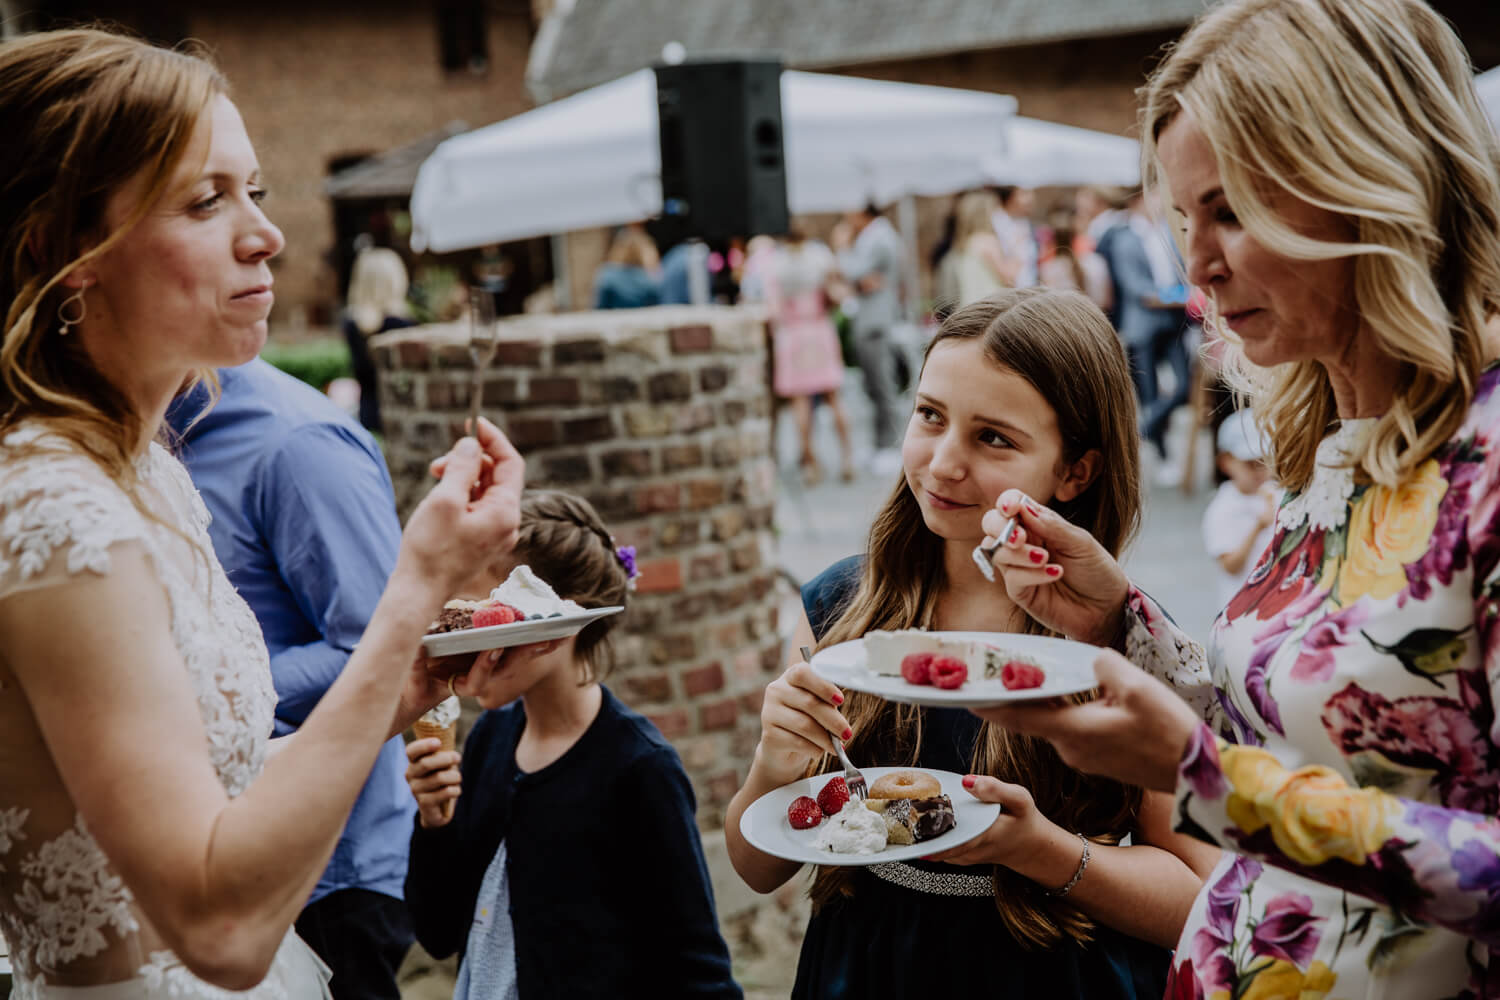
<point x="1358" y="757"/>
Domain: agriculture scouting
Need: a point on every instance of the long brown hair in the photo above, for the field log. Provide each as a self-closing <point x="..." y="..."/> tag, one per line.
<point x="84" y="112"/>
<point x="1061" y="343"/>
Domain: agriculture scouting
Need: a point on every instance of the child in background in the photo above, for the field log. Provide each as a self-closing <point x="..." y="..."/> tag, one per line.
<point x="1240" y="519"/>
<point x="572" y="865"/>
<point x="1024" y="390"/>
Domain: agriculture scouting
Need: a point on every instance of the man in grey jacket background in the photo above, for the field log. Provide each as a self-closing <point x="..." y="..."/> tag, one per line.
<point x="873" y="264"/>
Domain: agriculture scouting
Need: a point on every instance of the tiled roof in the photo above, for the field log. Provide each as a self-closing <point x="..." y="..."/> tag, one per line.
<point x="599" y="40"/>
<point x="390" y="174"/>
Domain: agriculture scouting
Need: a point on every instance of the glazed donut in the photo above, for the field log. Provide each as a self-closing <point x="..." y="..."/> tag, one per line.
<point x="906" y="785"/>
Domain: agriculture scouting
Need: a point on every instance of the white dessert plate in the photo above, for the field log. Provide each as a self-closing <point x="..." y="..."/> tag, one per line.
<point x="767" y="829"/>
<point x="1068" y="666"/>
<point x="474" y="640"/>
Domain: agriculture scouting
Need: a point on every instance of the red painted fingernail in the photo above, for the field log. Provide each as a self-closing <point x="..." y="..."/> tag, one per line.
<point x="838" y="699"/>
<point x="969" y="780"/>
<point x="1038" y="556"/>
<point x="1054" y="570"/>
<point x="1015" y="534"/>
<point x="1033" y="508"/>
<point x="847" y="733"/>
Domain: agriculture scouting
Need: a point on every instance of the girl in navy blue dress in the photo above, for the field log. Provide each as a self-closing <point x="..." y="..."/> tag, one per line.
<point x="571" y="867"/>
<point x="1025" y="390"/>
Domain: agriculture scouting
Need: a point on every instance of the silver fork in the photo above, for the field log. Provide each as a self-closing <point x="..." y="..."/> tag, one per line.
<point x="852" y="777"/>
<point x="984" y="555"/>
<point x="483" y="339"/>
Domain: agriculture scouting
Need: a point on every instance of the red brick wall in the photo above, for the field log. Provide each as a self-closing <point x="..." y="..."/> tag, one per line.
<point x="322" y="80"/>
<point x="661" y="418"/>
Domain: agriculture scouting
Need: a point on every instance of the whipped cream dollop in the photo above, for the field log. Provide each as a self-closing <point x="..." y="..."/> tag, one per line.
<point x="855" y="830"/>
<point x="444" y="713"/>
<point x="531" y="595"/>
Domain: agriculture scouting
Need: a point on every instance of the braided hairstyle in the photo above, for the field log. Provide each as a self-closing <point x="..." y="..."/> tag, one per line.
<point x="564" y="541"/>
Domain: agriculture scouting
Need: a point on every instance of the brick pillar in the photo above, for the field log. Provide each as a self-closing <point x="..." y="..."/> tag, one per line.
<point x="661" y="418"/>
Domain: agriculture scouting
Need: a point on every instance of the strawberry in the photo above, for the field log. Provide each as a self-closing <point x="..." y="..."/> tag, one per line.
<point x="832" y="797"/>
<point x="804" y="813"/>
<point x="917" y="668"/>
<point x="1017" y="676"/>
<point x="496" y="614"/>
<point x="949" y="672"/>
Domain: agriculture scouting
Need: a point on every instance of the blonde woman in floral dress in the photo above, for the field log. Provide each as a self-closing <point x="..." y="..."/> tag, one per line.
<point x="1336" y="184"/>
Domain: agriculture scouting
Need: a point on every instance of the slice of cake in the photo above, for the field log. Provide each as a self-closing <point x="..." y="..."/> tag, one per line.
<point x="456" y="616"/>
<point x="884" y="650"/>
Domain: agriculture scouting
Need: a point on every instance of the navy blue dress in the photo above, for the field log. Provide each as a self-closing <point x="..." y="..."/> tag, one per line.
<point x="889" y="941"/>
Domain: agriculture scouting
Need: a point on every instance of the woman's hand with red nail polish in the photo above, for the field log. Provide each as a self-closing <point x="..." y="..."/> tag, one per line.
<point x="799" y="711"/>
<point x="1015" y="834"/>
<point x="1057" y="572"/>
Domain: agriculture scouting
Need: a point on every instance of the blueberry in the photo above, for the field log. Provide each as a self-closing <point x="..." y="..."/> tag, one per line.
<point x="534" y="618"/>
<point x="555" y="614"/>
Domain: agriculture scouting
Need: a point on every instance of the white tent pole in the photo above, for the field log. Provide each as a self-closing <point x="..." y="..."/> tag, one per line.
<point x="906" y="219"/>
<point x="562" y="278"/>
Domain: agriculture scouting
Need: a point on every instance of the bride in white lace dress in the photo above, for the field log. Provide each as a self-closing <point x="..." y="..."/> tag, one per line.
<point x="153" y="841"/>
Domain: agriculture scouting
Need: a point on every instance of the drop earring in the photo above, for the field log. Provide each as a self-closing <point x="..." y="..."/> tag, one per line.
<point x="66" y="322"/>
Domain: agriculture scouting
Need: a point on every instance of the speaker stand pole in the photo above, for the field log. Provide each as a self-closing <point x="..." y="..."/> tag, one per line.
<point x="562" y="277"/>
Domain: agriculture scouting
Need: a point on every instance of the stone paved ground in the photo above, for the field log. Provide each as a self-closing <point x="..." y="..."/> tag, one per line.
<point x="815" y="527"/>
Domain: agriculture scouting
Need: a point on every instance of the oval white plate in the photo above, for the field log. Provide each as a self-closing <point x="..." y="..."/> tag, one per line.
<point x="474" y="640"/>
<point x="1069" y="668"/>
<point x="767" y="829"/>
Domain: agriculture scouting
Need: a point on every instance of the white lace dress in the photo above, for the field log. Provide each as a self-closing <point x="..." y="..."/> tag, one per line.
<point x="71" y="923"/>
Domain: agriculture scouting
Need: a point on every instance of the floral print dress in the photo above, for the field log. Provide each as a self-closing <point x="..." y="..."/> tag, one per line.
<point x="1355" y="773"/>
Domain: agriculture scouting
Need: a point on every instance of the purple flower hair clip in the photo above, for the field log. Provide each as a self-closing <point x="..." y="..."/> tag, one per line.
<point x="626" y="555"/>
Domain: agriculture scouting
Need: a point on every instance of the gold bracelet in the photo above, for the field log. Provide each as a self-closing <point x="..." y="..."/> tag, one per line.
<point x="1083" y="863"/>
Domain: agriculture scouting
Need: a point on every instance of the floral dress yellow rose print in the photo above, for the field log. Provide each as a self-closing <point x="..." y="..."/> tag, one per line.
<point x="1355" y="775"/>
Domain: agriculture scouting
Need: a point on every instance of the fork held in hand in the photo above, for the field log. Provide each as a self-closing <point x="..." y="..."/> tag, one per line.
<point x="852" y="778"/>
<point x="483" y="339"/>
<point x="984" y="555"/>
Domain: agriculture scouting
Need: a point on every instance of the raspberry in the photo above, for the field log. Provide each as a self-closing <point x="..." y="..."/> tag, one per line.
<point x="804" y="813"/>
<point x="1017" y="676"/>
<point x="917" y="668"/>
<point x="949" y="672"/>
<point x="496" y="614"/>
<point x="833" y="796"/>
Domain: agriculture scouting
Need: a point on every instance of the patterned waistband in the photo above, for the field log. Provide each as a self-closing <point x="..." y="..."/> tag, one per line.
<point x="936" y="883"/>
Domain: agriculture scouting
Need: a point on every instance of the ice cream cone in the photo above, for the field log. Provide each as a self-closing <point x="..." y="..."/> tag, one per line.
<point x="424" y="730"/>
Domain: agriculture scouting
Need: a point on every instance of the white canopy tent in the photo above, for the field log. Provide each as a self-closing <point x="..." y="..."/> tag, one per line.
<point x="1488" y="86"/>
<point x="593" y="159"/>
<point x="1041" y="152"/>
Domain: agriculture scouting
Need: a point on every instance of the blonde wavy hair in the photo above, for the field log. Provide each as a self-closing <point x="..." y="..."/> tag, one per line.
<point x="974" y="214"/>
<point x="1365" y="108"/>
<point x="83" y="112"/>
<point x="377" y="288"/>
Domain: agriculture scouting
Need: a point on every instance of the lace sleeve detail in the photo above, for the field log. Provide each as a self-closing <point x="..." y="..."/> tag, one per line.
<point x="1154" y="643"/>
<point x="59" y="515"/>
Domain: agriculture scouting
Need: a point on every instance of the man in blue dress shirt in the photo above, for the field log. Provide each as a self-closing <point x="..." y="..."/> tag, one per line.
<point x="304" y="521"/>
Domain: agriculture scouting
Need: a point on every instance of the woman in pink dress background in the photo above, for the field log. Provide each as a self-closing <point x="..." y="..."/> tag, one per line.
<point x="806" y="358"/>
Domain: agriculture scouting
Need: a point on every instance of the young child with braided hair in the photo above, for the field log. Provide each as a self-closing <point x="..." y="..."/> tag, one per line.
<point x="571" y="865"/>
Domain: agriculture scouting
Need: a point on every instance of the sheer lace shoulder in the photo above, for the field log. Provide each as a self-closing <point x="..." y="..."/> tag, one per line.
<point x="67" y="916"/>
<point x="59" y="512"/>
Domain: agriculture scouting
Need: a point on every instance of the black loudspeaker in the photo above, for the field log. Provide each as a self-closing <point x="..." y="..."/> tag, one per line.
<point x="722" y="169"/>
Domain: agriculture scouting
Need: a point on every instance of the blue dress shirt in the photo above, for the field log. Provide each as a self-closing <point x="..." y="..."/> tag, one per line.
<point x="304" y="521"/>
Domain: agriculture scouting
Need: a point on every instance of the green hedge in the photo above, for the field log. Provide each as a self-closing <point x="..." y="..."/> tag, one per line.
<point x="316" y="362"/>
